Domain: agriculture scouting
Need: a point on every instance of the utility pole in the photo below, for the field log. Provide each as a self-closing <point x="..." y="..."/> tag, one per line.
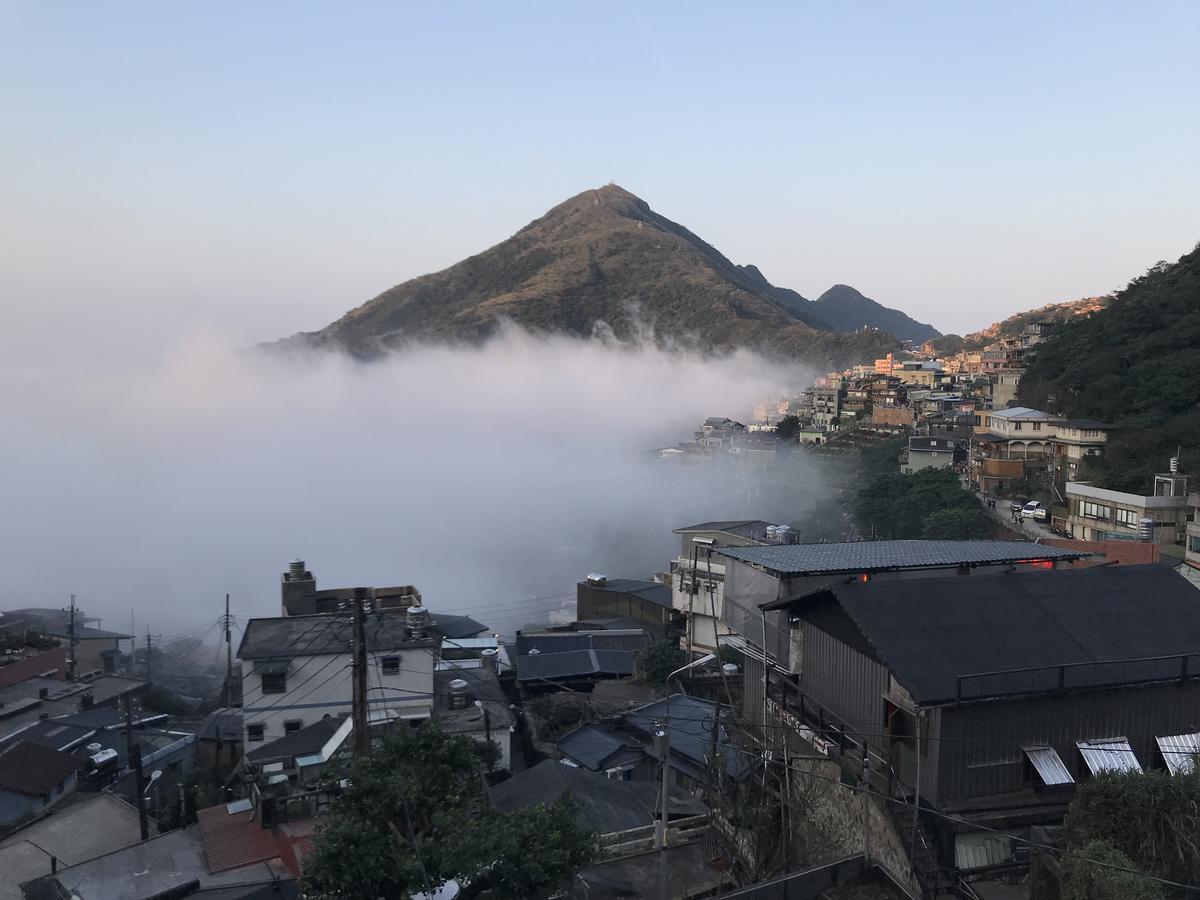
<point x="226" y="620"/>
<point x="149" y="671"/>
<point x="71" y="639"/>
<point x="866" y="797"/>
<point x="134" y="752"/>
<point x="691" y="622"/>
<point x="182" y="807"/>
<point x="362" y="734"/>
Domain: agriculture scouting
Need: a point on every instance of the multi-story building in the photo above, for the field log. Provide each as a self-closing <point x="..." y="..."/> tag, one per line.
<point x="827" y="407"/>
<point x="1018" y="443"/>
<point x="297" y="669"/>
<point x="925" y="452"/>
<point x="698" y="575"/>
<point x="1097" y="514"/>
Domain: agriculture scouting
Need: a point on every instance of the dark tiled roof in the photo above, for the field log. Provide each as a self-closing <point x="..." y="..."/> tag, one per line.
<point x="304" y="742"/>
<point x="86" y="633"/>
<point x="574" y="664"/>
<point x="606" y="805"/>
<point x="56" y="734"/>
<point x="691" y="723"/>
<point x="870" y="556"/>
<point x="33" y="770"/>
<point x="319" y="635"/>
<point x="455" y="626"/>
<point x="596" y="746"/>
<point x="930" y="632"/>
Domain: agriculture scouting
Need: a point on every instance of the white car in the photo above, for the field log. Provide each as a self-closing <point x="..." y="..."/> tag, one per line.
<point x="1033" y="510"/>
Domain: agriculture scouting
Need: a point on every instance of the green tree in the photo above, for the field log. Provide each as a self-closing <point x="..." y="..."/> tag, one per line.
<point x="957" y="525"/>
<point x="655" y="663"/>
<point x="788" y="428"/>
<point x="1099" y="871"/>
<point x="416" y="814"/>
<point x="1153" y="818"/>
<point x="927" y="504"/>
<point x="559" y="713"/>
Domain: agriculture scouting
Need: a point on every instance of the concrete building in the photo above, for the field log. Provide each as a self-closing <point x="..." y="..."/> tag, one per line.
<point x="930" y="453"/>
<point x="297" y="669"/>
<point x="471" y="703"/>
<point x="300" y="597"/>
<point x="698" y="575"/>
<point x="33" y="778"/>
<point x="991" y="701"/>
<point x="648" y="603"/>
<point x="1097" y="514"/>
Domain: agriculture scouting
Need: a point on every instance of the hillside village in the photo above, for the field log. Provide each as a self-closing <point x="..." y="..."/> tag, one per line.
<point x="841" y="718"/>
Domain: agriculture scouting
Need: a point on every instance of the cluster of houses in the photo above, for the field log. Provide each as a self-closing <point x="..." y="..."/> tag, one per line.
<point x="937" y="702"/>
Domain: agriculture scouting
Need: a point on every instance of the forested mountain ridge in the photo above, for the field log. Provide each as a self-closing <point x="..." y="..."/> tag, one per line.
<point x="1134" y="364"/>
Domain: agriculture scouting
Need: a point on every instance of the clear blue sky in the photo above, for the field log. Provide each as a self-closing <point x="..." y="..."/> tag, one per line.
<point x="259" y="168"/>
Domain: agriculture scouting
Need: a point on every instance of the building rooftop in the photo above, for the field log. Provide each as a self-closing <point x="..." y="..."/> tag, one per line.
<point x="147" y="869"/>
<point x="1086" y="423"/>
<point x="606" y="805"/>
<point x="574" y="664"/>
<point x="322" y="634"/>
<point x="72" y="833"/>
<point x="650" y="591"/>
<point x="86" y="633"/>
<point x="932" y="632"/>
<point x="234" y="839"/>
<point x="33" y="770"/>
<point x="747" y="528"/>
<point x="1019" y="412"/>
<point x="691" y="721"/>
<point x="879" y="556"/>
<point x="57" y="735"/>
<point x="449" y="626"/>
<point x="595" y="746"/>
<point x="305" y="742"/>
<point x="483" y="686"/>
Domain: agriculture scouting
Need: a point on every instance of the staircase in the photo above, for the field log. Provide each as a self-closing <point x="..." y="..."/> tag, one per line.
<point x="937" y="880"/>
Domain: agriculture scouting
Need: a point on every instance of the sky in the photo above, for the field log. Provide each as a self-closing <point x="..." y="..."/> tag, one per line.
<point x="257" y="169"/>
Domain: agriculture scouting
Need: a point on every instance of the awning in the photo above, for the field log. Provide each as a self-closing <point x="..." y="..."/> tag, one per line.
<point x="1109" y="755"/>
<point x="1179" y="752"/>
<point x="272" y="666"/>
<point x="980" y="850"/>
<point x="1049" y="765"/>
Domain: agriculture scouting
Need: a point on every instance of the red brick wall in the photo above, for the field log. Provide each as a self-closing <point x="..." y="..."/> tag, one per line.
<point x="35" y="665"/>
<point x="1121" y="553"/>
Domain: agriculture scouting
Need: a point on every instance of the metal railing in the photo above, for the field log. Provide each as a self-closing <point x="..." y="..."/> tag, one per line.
<point x="1076" y="676"/>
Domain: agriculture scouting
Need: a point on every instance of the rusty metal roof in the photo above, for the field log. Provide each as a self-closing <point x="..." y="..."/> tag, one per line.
<point x="232" y="840"/>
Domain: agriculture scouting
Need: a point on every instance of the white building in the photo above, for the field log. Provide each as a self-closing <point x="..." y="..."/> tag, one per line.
<point x="297" y="669"/>
<point x="698" y="575"/>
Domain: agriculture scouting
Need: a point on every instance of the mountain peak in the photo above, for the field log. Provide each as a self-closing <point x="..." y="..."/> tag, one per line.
<point x="602" y="257"/>
<point x="847" y="308"/>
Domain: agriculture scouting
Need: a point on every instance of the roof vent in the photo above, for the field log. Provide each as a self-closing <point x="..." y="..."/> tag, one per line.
<point x="458" y="694"/>
<point x="597" y="578"/>
<point x="296" y="569"/>
<point x="490" y="658"/>
<point x="94" y="748"/>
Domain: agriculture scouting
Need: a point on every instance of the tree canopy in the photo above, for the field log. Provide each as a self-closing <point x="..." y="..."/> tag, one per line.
<point x="656" y="662"/>
<point x="415" y="814"/>
<point x="929" y="504"/>
<point x="1135" y="365"/>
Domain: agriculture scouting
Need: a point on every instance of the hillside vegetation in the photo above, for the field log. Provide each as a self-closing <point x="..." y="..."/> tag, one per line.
<point x="604" y="260"/>
<point x="1136" y="365"/>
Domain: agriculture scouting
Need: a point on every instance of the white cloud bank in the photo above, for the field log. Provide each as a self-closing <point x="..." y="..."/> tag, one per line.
<point x="484" y="476"/>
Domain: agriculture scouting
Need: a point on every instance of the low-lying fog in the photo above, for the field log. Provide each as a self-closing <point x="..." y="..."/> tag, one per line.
<point x="491" y="478"/>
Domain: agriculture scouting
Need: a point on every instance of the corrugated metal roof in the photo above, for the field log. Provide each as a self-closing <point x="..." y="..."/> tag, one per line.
<point x="1049" y="765"/>
<point x="1179" y="752"/>
<point x="1110" y="755"/>
<point x="866" y="556"/>
<point x="980" y="849"/>
<point x="233" y="839"/>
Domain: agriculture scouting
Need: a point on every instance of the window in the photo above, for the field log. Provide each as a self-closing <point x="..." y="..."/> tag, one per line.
<point x="1016" y="426"/>
<point x="1090" y="510"/>
<point x="1194" y="543"/>
<point x="1127" y="517"/>
<point x="254" y="733"/>
<point x="291" y="726"/>
<point x="1037" y="426"/>
<point x="391" y="665"/>
<point x="274" y="682"/>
